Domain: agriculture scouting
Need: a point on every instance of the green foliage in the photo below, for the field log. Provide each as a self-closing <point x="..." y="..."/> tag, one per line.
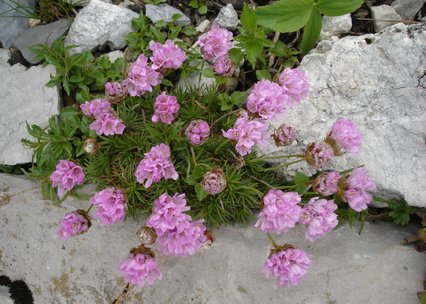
<point x="199" y="5"/>
<point x="399" y="212"/>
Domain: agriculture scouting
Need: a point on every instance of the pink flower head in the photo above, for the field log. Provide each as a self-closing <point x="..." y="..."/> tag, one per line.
<point x="107" y="124"/>
<point x="344" y="137"/>
<point x="358" y="183"/>
<point x="214" y="181"/>
<point x="139" y="269"/>
<point x="96" y="107"/>
<point x="156" y="165"/>
<point x="197" y="132"/>
<point x="284" y="136"/>
<point x="141" y="78"/>
<point x="280" y="211"/>
<point x="73" y="223"/>
<point x="247" y="133"/>
<point x="66" y="176"/>
<point x="224" y="66"/>
<point x="295" y="85"/>
<point x="358" y="199"/>
<point x="215" y="43"/>
<point x="267" y="99"/>
<point x="287" y="266"/>
<point x="168" y="212"/>
<point x="319" y="154"/>
<point x="360" y="179"/>
<point x="319" y="216"/>
<point x="166" y="108"/>
<point x="115" y="92"/>
<point x="185" y="239"/>
<point x="110" y="206"/>
<point x="326" y="183"/>
<point x="166" y="56"/>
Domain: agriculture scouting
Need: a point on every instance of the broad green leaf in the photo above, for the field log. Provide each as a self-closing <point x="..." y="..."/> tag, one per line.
<point x="311" y="31"/>
<point x="286" y="15"/>
<point x="208" y="72"/>
<point x="254" y="49"/>
<point x="422" y="297"/>
<point x="202" y="9"/>
<point x="201" y="194"/>
<point x="235" y="55"/>
<point x="338" y="7"/>
<point x="248" y="19"/>
<point x="238" y="97"/>
<point x="263" y="74"/>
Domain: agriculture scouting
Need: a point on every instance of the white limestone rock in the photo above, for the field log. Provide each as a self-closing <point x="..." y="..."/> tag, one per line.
<point x="113" y="56"/>
<point x="407" y="9"/>
<point x="84" y="2"/>
<point x="335" y="26"/>
<point x="4" y="57"/>
<point x="165" y="12"/>
<point x="99" y="23"/>
<point x="197" y="79"/>
<point x="378" y="81"/>
<point x="23" y="97"/>
<point x="227" y="17"/>
<point x="13" y="20"/>
<point x="383" y="12"/>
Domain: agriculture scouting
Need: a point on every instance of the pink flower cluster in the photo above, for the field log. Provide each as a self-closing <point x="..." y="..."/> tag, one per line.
<point x="346" y="136"/>
<point x="287" y="266"/>
<point x="73" y="223"/>
<point x="96" y="107"/>
<point x="140" y="268"/>
<point x="166" y="56"/>
<point x="177" y="233"/>
<point x="318" y="215"/>
<point x="224" y="66"/>
<point x="247" y="133"/>
<point x="284" y="136"/>
<point x="115" y="92"/>
<point x="295" y="85"/>
<point x="197" y="132"/>
<point x="280" y="211"/>
<point x="110" y="206"/>
<point x="141" y="77"/>
<point x="66" y="176"/>
<point x="106" y="122"/>
<point x="319" y="154"/>
<point x="358" y="183"/>
<point x="267" y="99"/>
<point x="326" y="183"/>
<point x="156" y="165"/>
<point x="166" y="108"/>
<point x="215" y="43"/>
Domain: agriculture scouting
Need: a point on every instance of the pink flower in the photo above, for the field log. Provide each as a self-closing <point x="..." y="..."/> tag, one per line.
<point x="141" y="78"/>
<point x="287" y="266"/>
<point x="358" y="183"/>
<point x="66" y="176"/>
<point x="319" y="154"/>
<point x="96" y="107"/>
<point x="358" y="199"/>
<point x="73" y="223"/>
<point x="214" y="181"/>
<point x="107" y="124"/>
<point x="115" y="92"/>
<point x="319" y="216"/>
<point x="215" y="43"/>
<point x="360" y="179"/>
<point x="168" y="212"/>
<point x="156" y="165"/>
<point x="224" y="66"/>
<point x="326" y="183"/>
<point x="344" y="137"/>
<point x="284" y="136"/>
<point x="247" y="133"/>
<point x="110" y="206"/>
<point x="139" y="269"/>
<point x="197" y="132"/>
<point x="166" y="108"/>
<point x="295" y="85"/>
<point x="280" y="211"/>
<point x="166" y="56"/>
<point x="267" y="99"/>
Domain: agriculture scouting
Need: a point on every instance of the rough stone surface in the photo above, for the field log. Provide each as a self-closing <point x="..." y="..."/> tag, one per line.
<point x="4" y="57"/>
<point x="227" y="17"/>
<point x="383" y="12"/>
<point x="346" y="267"/>
<point x="196" y="79"/>
<point x="113" y="56"/>
<point x="40" y="34"/>
<point x="407" y="9"/>
<point x="378" y="81"/>
<point x="23" y="97"/>
<point x="335" y="26"/>
<point x="165" y="12"/>
<point x="84" y="2"/>
<point x="10" y="26"/>
<point x="201" y="28"/>
<point x="99" y="23"/>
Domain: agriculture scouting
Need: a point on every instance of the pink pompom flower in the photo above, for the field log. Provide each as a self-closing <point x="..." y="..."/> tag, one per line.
<point x="288" y="266"/>
<point x="110" y="206"/>
<point x="344" y="137"/>
<point x="167" y="55"/>
<point x="247" y="133"/>
<point x="166" y="108"/>
<point x="107" y="124"/>
<point x="115" y="92"/>
<point x="326" y="183"/>
<point x="267" y="99"/>
<point x="140" y="268"/>
<point x="284" y="136"/>
<point x="280" y="211"/>
<point x="357" y="185"/>
<point x="96" y="107"/>
<point x="295" y="84"/>
<point x="197" y="132"/>
<point x="215" y="43"/>
<point x="66" y="176"/>
<point x="319" y="217"/>
<point x="224" y="66"/>
<point x="214" y="181"/>
<point x="74" y="223"/>
<point x="318" y="154"/>
<point x="156" y="165"/>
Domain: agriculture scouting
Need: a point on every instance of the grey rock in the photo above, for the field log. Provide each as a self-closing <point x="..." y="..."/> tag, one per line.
<point x="227" y="17"/>
<point x="407" y="9"/>
<point x="378" y="81"/>
<point x="196" y="79"/>
<point x="201" y="28"/>
<point x="383" y="12"/>
<point x="335" y="26"/>
<point x="12" y="22"/>
<point x="165" y="12"/>
<point x="5" y="56"/>
<point x="113" y="56"/>
<point x="40" y="34"/>
<point x="84" y="2"/>
<point x="84" y="269"/>
<point x="99" y="23"/>
<point x="23" y="98"/>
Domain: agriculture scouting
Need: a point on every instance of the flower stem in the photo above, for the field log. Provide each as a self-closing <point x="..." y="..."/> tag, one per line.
<point x="272" y="240"/>
<point x="278" y="157"/>
<point x="90" y="208"/>
<point x="283" y="165"/>
<point x="223" y="116"/>
<point x="263" y="182"/>
<point x="193" y="155"/>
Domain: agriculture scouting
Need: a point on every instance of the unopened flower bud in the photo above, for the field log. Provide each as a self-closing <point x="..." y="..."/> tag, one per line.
<point x="90" y="146"/>
<point x="115" y="92"/>
<point x="326" y="183"/>
<point x="284" y="136"/>
<point x="318" y="154"/>
<point x="147" y="235"/>
<point x="210" y="238"/>
<point x="214" y="181"/>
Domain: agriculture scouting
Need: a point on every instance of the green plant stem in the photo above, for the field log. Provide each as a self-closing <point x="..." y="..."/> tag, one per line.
<point x="283" y="165"/>
<point x="193" y="155"/>
<point x="90" y="208"/>
<point x="263" y="182"/>
<point x="223" y="116"/>
<point x="278" y="157"/>
<point x="272" y="240"/>
<point x="201" y="73"/>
